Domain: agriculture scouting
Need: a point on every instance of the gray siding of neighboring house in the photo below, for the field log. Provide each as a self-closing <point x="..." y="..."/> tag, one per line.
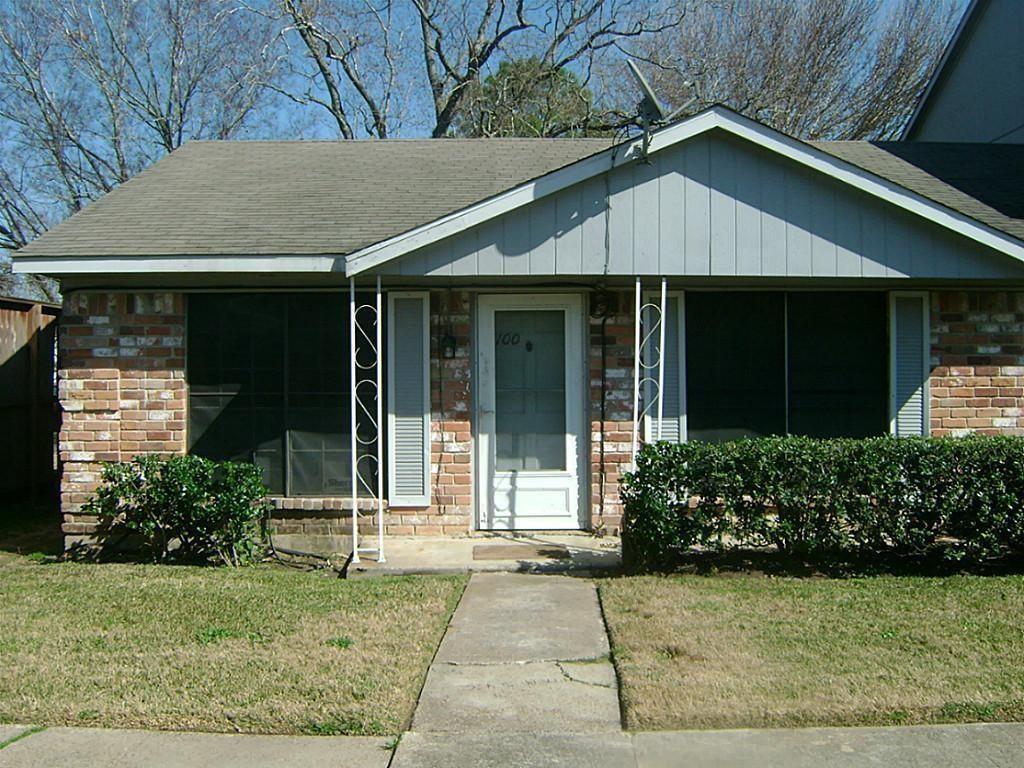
<point x="979" y="95"/>
<point x="712" y="206"/>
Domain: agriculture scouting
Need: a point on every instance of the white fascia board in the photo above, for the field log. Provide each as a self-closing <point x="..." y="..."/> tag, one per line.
<point x="82" y="265"/>
<point x="715" y="117"/>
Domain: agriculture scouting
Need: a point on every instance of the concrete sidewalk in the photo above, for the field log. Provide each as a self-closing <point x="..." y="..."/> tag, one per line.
<point x="95" y="747"/>
<point x="935" y="746"/>
<point x="939" y="746"/>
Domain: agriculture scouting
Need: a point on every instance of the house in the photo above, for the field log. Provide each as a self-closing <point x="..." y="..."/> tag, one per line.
<point x="471" y="307"/>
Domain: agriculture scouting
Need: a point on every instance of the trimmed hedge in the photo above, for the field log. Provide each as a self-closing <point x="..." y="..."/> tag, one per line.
<point x="809" y="496"/>
<point x="184" y="508"/>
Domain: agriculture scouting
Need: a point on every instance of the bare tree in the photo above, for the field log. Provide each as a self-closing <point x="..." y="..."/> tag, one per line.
<point x="354" y="48"/>
<point x="817" y="69"/>
<point x="92" y="91"/>
<point x="458" y="42"/>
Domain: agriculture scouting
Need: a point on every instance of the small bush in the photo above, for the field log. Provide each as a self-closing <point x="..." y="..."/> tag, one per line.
<point x="811" y="496"/>
<point x="185" y="508"/>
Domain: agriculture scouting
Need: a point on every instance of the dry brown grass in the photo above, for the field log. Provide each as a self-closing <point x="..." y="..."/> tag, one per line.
<point x="748" y="651"/>
<point x="258" y="650"/>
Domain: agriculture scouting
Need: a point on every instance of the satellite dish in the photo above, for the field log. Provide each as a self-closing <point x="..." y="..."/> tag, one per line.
<point x="649" y="109"/>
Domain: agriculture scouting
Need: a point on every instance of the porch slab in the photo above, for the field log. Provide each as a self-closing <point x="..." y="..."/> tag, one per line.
<point x="454" y="554"/>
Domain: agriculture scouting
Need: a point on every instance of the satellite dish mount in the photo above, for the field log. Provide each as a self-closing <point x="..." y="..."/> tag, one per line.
<point x="650" y="112"/>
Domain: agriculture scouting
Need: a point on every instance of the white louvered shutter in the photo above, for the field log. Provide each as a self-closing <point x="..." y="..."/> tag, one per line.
<point x="909" y="355"/>
<point x="409" y="400"/>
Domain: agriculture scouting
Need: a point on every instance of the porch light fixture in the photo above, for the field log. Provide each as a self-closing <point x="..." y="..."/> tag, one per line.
<point x="448" y="346"/>
<point x="602" y="304"/>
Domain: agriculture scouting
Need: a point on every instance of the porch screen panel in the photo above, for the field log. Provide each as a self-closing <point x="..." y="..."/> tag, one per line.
<point x="838" y="353"/>
<point x="268" y="383"/>
<point x="409" y="400"/>
<point x="236" y="380"/>
<point x="909" y="379"/>
<point x="317" y="399"/>
<point x="735" y="372"/>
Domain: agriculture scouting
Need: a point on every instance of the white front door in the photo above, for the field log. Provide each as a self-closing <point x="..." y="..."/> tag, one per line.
<point x="531" y="368"/>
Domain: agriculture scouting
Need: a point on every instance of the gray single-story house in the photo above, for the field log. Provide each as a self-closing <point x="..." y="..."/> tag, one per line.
<point x="481" y="331"/>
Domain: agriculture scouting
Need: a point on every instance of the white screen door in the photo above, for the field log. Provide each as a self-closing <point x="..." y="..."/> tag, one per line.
<point x="531" y="411"/>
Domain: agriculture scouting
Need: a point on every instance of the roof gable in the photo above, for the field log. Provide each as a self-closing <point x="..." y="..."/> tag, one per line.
<point x="714" y="119"/>
<point x="714" y="205"/>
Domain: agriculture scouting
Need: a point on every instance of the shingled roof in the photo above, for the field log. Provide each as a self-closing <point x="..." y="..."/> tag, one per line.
<point x="983" y="181"/>
<point x="261" y="198"/>
<point x="299" y="197"/>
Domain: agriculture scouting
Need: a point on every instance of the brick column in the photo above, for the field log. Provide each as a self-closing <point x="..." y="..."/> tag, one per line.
<point x="977" y="376"/>
<point x="611" y="436"/>
<point x="121" y="386"/>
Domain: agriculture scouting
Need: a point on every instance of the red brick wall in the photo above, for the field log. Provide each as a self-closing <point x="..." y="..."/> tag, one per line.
<point x="121" y="387"/>
<point x="977" y="377"/>
<point x="611" y="434"/>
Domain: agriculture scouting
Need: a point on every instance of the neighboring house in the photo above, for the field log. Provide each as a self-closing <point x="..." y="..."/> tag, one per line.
<point x="843" y="288"/>
<point x="977" y="93"/>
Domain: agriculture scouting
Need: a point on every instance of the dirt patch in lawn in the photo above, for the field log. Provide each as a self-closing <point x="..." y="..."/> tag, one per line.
<point x="751" y="651"/>
<point x="253" y="650"/>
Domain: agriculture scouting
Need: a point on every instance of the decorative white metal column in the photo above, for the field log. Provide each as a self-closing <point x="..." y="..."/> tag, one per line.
<point x="365" y="408"/>
<point x="648" y="371"/>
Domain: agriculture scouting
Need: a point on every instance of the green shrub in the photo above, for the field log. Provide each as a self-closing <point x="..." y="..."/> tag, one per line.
<point x="810" y="496"/>
<point x="184" y="508"/>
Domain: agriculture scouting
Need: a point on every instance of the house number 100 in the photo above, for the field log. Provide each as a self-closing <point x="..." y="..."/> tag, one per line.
<point x="508" y="338"/>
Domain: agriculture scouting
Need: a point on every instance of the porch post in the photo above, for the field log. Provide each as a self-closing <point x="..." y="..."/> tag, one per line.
<point x="380" y="437"/>
<point x="636" y="373"/>
<point x="661" y="357"/>
<point x="352" y="416"/>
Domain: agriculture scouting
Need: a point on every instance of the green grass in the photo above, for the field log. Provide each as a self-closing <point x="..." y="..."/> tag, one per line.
<point x="748" y="651"/>
<point x="254" y="650"/>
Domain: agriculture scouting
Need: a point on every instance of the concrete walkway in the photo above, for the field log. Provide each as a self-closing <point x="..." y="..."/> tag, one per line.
<point x="94" y="747"/>
<point x="523" y="654"/>
<point x="934" y="746"/>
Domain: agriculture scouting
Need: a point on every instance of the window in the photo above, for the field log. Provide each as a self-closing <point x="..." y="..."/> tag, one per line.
<point x="772" y="363"/>
<point x="735" y="377"/>
<point x="838" y="364"/>
<point x="268" y="381"/>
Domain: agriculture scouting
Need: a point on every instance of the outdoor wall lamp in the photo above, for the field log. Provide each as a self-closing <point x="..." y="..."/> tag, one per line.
<point x="448" y="346"/>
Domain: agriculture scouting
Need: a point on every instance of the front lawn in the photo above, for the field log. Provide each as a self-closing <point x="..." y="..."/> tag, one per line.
<point x="251" y="650"/>
<point x="734" y="651"/>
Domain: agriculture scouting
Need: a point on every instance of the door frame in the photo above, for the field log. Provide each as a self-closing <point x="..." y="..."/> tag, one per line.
<point x="576" y="386"/>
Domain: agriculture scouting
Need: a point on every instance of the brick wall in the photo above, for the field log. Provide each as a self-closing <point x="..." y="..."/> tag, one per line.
<point x="977" y="377"/>
<point x="121" y="388"/>
<point x="611" y="433"/>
